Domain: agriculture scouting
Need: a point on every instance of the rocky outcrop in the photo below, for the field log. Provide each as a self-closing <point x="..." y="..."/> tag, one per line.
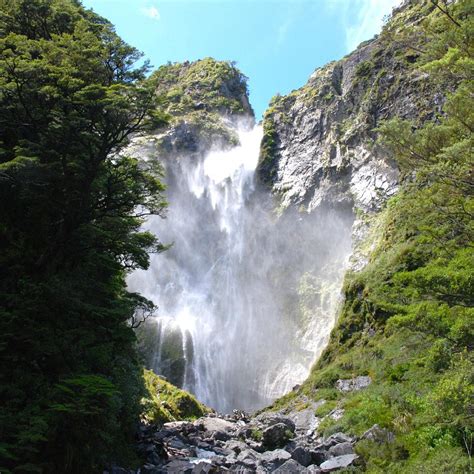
<point x="320" y="145"/>
<point x="200" y="447"/>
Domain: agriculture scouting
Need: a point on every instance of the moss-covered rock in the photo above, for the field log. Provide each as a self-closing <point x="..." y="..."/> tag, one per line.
<point x="165" y="402"/>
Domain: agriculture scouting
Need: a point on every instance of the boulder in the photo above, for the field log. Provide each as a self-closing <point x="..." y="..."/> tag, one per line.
<point x="337" y="438"/>
<point x="269" y="419"/>
<point x="340" y="449"/>
<point x="221" y="435"/>
<point x="273" y="459"/>
<point x="179" y="466"/>
<point x="276" y="436"/>
<point x="378" y="435"/>
<point x="236" y="446"/>
<point x="354" y="384"/>
<point x="214" y="424"/>
<point x="203" y="468"/>
<point x="313" y="469"/>
<point x="318" y="456"/>
<point x="248" y="458"/>
<point x="290" y="466"/>
<point x="305" y="420"/>
<point x="338" y="462"/>
<point x="302" y="455"/>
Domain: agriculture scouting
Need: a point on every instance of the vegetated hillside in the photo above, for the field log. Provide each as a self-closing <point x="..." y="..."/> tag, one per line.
<point x="407" y="318"/>
<point x="200" y="99"/>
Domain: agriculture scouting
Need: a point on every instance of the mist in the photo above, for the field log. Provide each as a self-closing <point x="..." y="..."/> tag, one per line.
<point x="248" y="292"/>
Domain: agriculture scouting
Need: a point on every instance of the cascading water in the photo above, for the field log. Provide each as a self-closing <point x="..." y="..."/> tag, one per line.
<point x="246" y="298"/>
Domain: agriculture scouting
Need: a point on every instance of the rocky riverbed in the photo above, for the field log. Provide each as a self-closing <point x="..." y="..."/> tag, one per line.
<point x="270" y="442"/>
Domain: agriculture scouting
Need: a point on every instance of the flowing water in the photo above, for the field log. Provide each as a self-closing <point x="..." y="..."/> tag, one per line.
<point x="246" y="297"/>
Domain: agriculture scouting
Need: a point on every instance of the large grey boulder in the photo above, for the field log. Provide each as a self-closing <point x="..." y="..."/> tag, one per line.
<point x="290" y="466"/>
<point x="269" y="419"/>
<point x="213" y="424"/>
<point x="341" y="449"/>
<point x="248" y="458"/>
<point x="338" y="462"/>
<point x="276" y="436"/>
<point x="273" y="459"/>
<point x="179" y="466"/>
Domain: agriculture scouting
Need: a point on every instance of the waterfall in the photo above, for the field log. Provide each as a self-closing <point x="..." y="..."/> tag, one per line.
<point x="246" y="296"/>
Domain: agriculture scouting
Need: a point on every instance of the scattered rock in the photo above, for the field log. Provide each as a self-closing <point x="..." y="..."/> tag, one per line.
<point x="338" y="462"/>
<point x="179" y="466"/>
<point x="341" y="449"/>
<point x="351" y="385"/>
<point x="212" y="424"/>
<point x="273" y="459"/>
<point x="269" y="419"/>
<point x="337" y="413"/>
<point x="337" y="438"/>
<point x="215" y="444"/>
<point x="302" y="455"/>
<point x="313" y="469"/>
<point x="248" y="458"/>
<point x="378" y="435"/>
<point x="276" y="436"/>
<point x="290" y="466"/>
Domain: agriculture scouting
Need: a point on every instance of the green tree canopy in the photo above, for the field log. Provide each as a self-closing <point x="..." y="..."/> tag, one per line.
<point x="72" y="205"/>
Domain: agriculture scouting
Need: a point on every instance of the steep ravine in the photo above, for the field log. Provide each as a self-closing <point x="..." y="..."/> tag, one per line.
<point x="323" y="194"/>
<point x="247" y="296"/>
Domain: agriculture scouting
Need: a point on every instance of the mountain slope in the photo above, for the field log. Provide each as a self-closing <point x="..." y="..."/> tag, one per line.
<point x="407" y="316"/>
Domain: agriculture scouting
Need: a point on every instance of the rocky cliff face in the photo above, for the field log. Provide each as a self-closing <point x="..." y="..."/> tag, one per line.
<point x="320" y="144"/>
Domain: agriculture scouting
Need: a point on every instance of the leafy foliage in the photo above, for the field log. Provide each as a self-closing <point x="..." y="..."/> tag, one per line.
<point x="72" y="208"/>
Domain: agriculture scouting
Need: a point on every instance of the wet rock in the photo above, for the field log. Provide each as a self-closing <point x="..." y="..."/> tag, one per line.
<point x="290" y="466"/>
<point x="276" y="436"/>
<point x="338" y="462"/>
<point x="350" y="385"/>
<point x="178" y="426"/>
<point x="341" y="449"/>
<point x="378" y="435"/>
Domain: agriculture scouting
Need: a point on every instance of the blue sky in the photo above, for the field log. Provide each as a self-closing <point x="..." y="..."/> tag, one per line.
<point x="276" y="43"/>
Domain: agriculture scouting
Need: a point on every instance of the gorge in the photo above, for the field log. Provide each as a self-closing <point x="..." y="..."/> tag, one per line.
<point x="248" y="297"/>
<point x="185" y="290"/>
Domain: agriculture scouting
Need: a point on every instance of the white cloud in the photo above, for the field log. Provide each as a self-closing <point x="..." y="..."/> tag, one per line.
<point x="151" y="12"/>
<point x="368" y="20"/>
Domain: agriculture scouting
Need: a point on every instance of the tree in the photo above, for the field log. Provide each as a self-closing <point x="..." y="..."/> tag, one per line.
<point x="70" y="219"/>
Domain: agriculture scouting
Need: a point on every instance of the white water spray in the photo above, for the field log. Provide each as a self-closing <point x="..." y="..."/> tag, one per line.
<point x="246" y="300"/>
